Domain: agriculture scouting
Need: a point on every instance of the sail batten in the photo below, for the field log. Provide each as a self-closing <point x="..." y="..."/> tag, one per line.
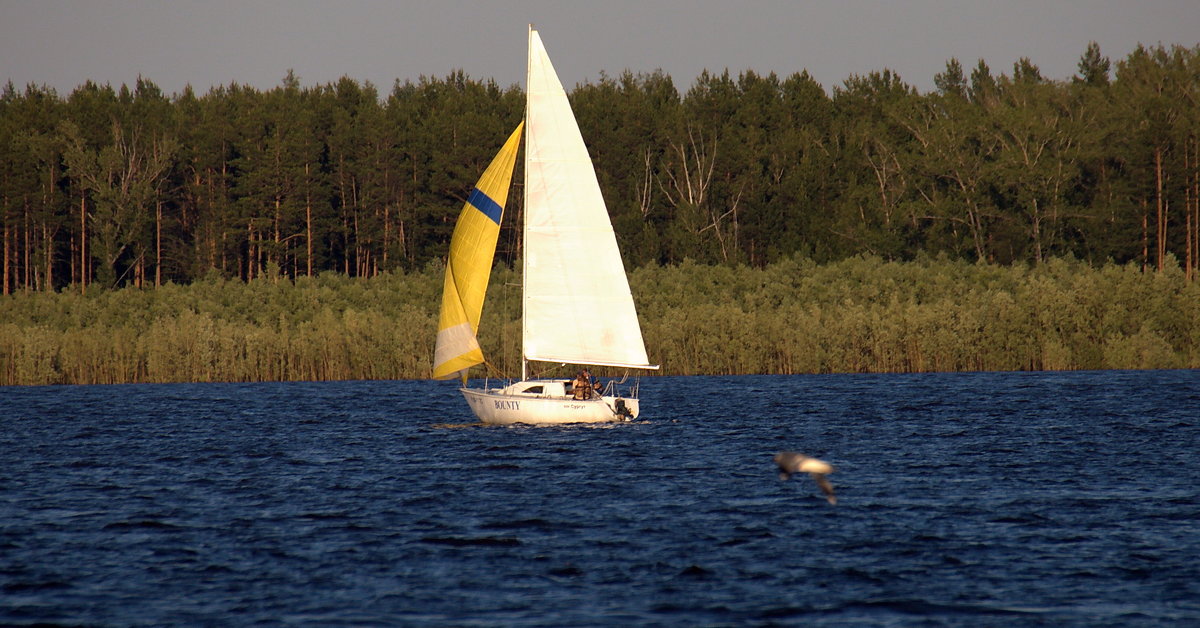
<point x="577" y="304"/>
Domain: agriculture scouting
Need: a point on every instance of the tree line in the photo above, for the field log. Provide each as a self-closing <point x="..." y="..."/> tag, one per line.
<point x="859" y="314"/>
<point x="110" y="187"/>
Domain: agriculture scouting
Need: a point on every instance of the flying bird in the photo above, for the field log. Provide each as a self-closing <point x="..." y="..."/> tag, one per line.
<point x="791" y="462"/>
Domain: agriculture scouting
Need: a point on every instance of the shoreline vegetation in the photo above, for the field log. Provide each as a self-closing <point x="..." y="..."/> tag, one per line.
<point x="295" y="233"/>
<point x="861" y="314"/>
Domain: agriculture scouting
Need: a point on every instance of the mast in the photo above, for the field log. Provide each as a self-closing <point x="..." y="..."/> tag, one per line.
<point x="525" y="205"/>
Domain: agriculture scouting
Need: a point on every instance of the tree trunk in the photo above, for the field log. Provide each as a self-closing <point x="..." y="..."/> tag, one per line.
<point x="387" y="224"/>
<point x="358" y="271"/>
<point x="387" y="218"/>
<point x="48" y="242"/>
<point x="27" y="279"/>
<point x="308" y="223"/>
<point x="1037" y="233"/>
<point x="157" y="244"/>
<point x="217" y="221"/>
<point x="1160" y="204"/>
<point x="345" y="245"/>
<point x="272" y="256"/>
<point x="1187" y="212"/>
<point x="83" y="260"/>
<point x="1145" y="236"/>
<point x="7" y="287"/>
<point x="1196" y="206"/>
<point x="249" y="251"/>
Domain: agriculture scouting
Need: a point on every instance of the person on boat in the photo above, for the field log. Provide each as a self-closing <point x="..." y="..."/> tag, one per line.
<point x="582" y="386"/>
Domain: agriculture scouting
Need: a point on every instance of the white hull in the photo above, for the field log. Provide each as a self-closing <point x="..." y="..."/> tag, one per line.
<point x="514" y="404"/>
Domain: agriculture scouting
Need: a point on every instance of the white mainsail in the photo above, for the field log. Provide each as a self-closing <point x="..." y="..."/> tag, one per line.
<point x="577" y="305"/>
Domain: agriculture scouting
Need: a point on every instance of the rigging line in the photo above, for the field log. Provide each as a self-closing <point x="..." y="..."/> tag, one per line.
<point x="495" y="370"/>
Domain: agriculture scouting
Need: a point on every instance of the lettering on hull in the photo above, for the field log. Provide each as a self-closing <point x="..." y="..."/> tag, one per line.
<point x="507" y="405"/>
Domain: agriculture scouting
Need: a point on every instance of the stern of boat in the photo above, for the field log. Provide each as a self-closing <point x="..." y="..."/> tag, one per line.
<point x="626" y="408"/>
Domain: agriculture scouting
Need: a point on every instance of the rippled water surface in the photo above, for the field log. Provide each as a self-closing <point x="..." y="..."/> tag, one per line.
<point x="964" y="499"/>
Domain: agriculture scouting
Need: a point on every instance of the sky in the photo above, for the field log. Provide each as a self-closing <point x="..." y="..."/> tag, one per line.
<point x="205" y="43"/>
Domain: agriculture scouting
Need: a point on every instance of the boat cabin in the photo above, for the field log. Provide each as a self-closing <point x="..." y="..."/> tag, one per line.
<point x="541" y="388"/>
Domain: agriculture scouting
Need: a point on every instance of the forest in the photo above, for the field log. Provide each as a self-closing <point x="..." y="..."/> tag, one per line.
<point x="111" y="187"/>
<point x="1003" y="221"/>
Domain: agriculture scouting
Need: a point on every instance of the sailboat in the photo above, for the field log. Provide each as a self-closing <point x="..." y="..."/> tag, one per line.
<point x="577" y="308"/>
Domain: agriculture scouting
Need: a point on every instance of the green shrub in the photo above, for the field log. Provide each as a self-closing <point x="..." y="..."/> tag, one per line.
<point x="857" y="315"/>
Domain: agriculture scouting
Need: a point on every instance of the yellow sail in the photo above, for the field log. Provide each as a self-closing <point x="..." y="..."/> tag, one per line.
<point x="470" y="264"/>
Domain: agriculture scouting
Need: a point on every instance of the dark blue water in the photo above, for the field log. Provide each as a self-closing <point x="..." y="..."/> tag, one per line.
<point x="964" y="499"/>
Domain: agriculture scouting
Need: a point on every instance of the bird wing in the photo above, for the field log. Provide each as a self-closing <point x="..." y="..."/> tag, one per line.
<point x="825" y="486"/>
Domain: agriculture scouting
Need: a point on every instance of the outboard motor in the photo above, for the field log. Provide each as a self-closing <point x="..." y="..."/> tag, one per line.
<point x="623" y="411"/>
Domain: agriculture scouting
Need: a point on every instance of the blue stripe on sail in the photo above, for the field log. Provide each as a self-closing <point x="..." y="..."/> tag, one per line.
<point x="490" y="208"/>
